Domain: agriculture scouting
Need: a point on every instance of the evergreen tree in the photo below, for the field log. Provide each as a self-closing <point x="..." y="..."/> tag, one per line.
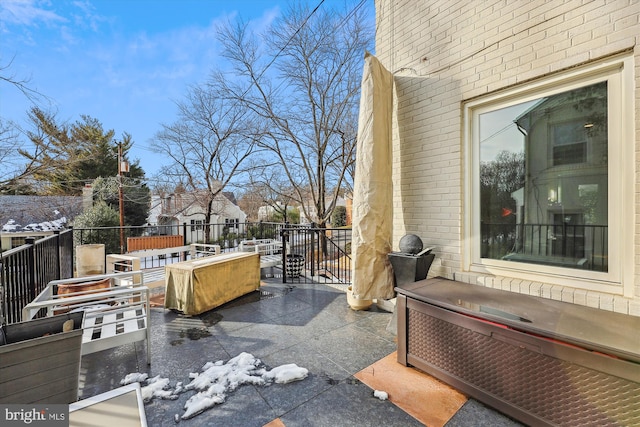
<point x="136" y="197"/>
<point x="339" y="217"/>
<point x="65" y="157"/>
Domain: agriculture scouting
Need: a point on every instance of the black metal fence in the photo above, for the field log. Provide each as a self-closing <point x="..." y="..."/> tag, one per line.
<point x="27" y="269"/>
<point x="326" y="253"/>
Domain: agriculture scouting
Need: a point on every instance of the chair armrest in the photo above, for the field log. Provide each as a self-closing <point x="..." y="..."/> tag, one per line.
<point x="114" y="276"/>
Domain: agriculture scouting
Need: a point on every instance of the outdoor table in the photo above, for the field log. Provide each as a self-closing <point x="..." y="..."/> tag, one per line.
<point x="122" y="407"/>
<point x="196" y="286"/>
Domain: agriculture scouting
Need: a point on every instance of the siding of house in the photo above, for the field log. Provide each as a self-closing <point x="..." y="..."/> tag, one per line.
<point x="184" y="208"/>
<point x="445" y="52"/>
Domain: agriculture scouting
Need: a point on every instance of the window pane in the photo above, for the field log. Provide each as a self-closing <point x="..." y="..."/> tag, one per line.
<point x="543" y="180"/>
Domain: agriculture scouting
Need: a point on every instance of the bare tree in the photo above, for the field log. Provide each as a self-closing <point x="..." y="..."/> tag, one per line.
<point x="208" y="144"/>
<point x="9" y="145"/>
<point x="13" y="173"/>
<point x="250" y="202"/>
<point x="306" y="95"/>
<point x="22" y="84"/>
<point x="274" y="190"/>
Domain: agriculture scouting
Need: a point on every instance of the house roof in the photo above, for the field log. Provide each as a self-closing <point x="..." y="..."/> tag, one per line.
<point x="231" y="196"/>
<point x="189" y="203"/>
<point x="37" y="213"/>
<point x="566" y="99"/>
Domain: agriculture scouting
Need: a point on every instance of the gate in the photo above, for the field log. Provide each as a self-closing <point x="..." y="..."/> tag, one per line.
<point x="326" y="253"/>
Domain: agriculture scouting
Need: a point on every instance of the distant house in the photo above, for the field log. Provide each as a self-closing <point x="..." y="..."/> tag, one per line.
<point x="170" y="212"/>
<point x="267" y="212"/>
<point x="311" y="210"/>
<point x="35" y="216"/>
<point x="565" y="153"/>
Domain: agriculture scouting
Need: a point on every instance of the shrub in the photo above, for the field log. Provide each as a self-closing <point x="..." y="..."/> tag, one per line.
<point x="339" y="217"/>
<point x="97" y="216"/>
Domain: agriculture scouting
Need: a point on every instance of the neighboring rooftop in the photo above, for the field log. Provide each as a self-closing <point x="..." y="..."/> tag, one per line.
<point x="37" y="213"/>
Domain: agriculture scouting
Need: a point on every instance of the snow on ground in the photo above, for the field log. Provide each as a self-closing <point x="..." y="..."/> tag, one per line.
<point x="215" y="382"/>
<point x="382" y="395"/>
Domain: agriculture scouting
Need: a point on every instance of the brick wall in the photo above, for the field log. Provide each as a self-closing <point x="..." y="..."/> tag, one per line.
<point x="445" y="52"/>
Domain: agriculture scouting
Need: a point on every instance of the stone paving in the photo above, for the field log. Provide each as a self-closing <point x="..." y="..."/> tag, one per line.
<point x="310" y="325"/>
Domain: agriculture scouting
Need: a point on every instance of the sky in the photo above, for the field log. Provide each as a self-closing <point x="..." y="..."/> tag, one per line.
<point x="123" y="62"/>
<point x="498" y="131"/>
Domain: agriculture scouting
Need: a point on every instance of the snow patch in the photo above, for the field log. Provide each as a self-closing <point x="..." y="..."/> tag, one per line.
<point x="382" y="395"/>
<point x="134" y="378"/>
<point x="215" y="381"/>
<point x="56" y="225"/>
<point x="286" y="373"/>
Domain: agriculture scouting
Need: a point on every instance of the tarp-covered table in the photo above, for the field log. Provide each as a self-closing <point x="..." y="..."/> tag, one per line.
<point x="196" y="286"/>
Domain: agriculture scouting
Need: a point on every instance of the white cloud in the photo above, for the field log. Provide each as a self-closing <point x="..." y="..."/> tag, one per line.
<point x="88" y="18"/>
<point x="27" y="12"/>
<point x="263" y="22"/>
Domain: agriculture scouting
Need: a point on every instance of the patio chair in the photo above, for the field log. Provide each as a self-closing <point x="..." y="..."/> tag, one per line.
<point x="114" y="315"/>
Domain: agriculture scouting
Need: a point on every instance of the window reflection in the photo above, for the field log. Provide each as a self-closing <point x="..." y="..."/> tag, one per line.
<point x="543" y="180"/>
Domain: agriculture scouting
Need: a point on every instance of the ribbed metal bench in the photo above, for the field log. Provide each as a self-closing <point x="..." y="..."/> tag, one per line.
<point x="541" y="361"/>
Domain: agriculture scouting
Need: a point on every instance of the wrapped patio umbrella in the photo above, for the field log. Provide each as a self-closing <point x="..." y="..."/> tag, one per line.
<point x="372" y="193"/>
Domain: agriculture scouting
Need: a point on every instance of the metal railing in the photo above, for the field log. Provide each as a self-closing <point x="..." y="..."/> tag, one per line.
<point x="566" y="245"/>
<point x="27" y="269"/>
<point x="227" y="235"/>
<point x="326" y="251"/>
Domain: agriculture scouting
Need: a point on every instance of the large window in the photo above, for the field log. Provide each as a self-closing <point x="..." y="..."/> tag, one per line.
<point x="546" y="183"/>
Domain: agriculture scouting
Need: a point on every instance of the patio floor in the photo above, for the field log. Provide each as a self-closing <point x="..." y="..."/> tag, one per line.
<point x="348" y="354"/>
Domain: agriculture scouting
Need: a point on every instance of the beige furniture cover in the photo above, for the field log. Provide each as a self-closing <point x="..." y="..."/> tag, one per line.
<point x="372" y="188"/>
<point x="196" y="286"/>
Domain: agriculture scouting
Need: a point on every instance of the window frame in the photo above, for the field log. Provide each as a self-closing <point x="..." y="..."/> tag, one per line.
<point x="618" y="72"/>
<point x="197" y="225"/>
<point x="232" y="223"/>
<point x="555" y="144"/>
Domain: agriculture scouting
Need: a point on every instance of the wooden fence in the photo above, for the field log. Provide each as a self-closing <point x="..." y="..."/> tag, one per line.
<point x="154" y="242"/>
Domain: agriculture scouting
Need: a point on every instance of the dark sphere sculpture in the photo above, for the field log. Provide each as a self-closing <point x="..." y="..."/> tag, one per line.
<point x="410" y="244"/>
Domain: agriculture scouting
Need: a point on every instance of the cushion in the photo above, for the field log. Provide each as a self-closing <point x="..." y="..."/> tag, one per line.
<point x="83" y="286"/>
<point x="70" y="288"/>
